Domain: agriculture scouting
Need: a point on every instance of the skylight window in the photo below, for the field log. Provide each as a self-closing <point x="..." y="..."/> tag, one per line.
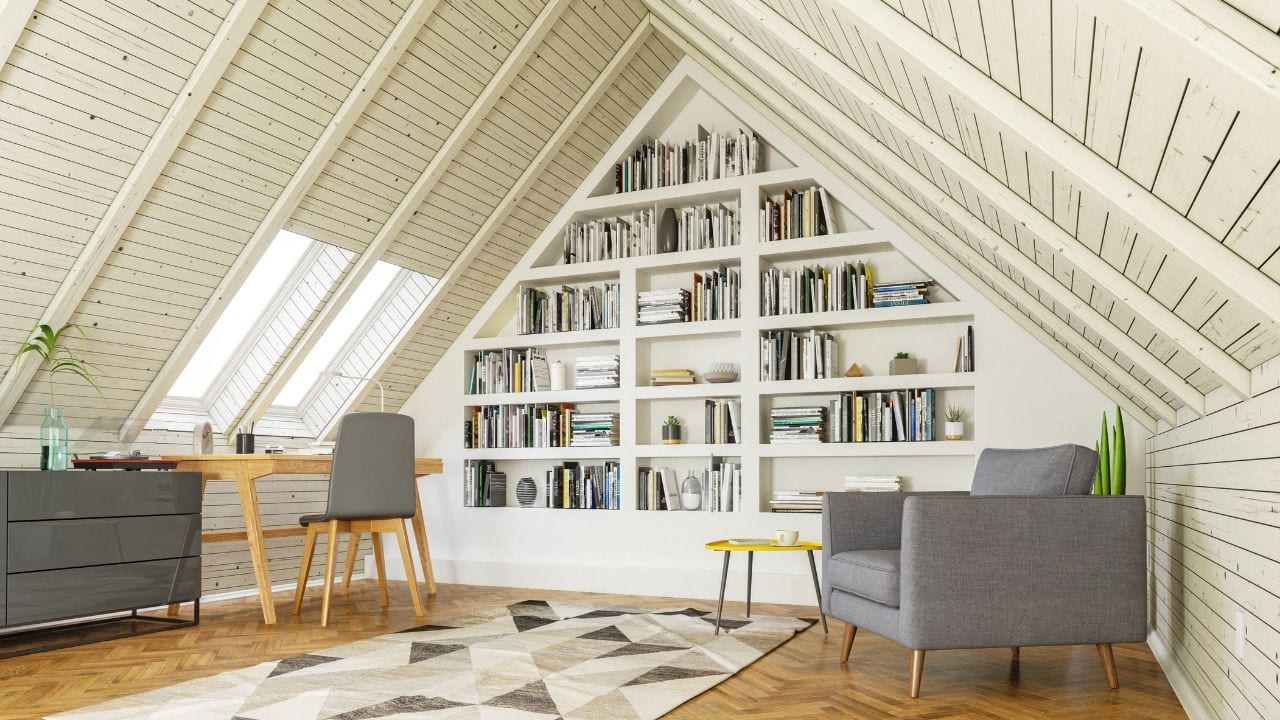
<point x="250" y="301"/>
<point x="343" y="327"/>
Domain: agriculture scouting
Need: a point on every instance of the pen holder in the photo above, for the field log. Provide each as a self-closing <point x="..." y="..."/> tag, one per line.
<point x="244" y="443"/>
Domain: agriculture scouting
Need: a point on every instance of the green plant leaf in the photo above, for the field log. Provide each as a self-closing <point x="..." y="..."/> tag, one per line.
<point x="1119" y="469"/>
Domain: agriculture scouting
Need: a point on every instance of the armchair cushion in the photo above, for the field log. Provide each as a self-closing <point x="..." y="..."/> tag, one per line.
<point x="872" y="574"/>
<point x="1057" y="470"/>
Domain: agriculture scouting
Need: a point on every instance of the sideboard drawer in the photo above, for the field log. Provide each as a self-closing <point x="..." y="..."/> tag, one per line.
<point x="84" y="494"/>
<point x="53" y="544"/>
<point x="56" y="594"/>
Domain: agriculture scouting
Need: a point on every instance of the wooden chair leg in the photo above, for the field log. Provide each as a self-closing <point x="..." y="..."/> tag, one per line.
<point x="308" y="549"/>
<point x="353" y="548"/>
<point x="382" y="569"/>
<point x="1109" y="665"/>
<point x="849" y="632"/>
<point x="917" y="669"/>
<point x="1016" y="652"/>
<point x="403" y="539"/>
<point x="330" y="567"/>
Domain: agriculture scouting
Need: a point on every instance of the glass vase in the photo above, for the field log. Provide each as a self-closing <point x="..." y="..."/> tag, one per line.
<point x="691" y="492"/>
<point x="53" y="440"/>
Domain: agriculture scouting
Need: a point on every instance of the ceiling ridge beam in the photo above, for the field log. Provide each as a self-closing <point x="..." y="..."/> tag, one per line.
<point x="195" y="92"/>
<point x="1213" y="359"/>
<point x="499" y="215"/>
<point x="436" y="169"/>
<point x="339" y="126"/>
<point x="13" y="20"/>
<point x="1156" y="221"/>
<point x="900" y="204"/>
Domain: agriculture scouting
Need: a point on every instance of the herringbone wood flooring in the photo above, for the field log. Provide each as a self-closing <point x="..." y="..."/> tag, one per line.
<point x="802" y="679"/>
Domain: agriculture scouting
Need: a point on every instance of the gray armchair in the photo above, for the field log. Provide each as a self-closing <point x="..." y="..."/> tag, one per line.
<point x="1027" y="557"/>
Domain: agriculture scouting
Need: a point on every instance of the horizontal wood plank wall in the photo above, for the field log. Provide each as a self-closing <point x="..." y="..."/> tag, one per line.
<point x="1213" y="494"/>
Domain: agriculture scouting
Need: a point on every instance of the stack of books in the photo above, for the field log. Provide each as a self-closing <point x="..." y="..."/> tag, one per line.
<point x="798" y="425"/>
<point x="798" y="355"/>
<point x="570" y="308"/>
<point x="784" y="501"/>
<point x="714" y="155"/>
<point x="796" y="214"/>
<point x="902" y="293"/>
<point x="715" y="294"/>
<point x="815" y="289"/>
<point x="872" y="483"/>
<point x="595" y="371"/>
<point x="964" y="351"/>
<point x="673" y="376"/>
<point x="663" y="306"/>
<point x="599" y="429"/>
<point x="611" y="238"/>
<point x="720" y="421"/>
<point x="585" y="487"/>
<point x="509" y="371"/>
<point x="518" y="426"/>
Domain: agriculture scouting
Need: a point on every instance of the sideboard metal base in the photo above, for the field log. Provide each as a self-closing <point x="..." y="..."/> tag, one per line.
<point x="58" y="636"/>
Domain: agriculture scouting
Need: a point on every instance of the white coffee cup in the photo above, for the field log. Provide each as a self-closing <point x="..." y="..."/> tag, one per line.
<point x="786" y="537"/>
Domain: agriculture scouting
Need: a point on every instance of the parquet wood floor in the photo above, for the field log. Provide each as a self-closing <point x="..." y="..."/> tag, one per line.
<point x="802" y="679"/>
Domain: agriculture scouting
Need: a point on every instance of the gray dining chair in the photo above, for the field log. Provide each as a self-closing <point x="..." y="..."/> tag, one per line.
<point x="371" y="490"/>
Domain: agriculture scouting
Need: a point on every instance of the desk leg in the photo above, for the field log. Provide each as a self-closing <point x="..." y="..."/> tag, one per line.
<point x="420" y="536"/>
<point x="724" y="578"/>
<point x="257" y="546"/>
<point x="817" y="589"/>
<point x="751" y="556"/>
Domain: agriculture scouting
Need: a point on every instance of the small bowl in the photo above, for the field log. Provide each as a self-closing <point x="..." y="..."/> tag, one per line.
<point x="721" y="376"/>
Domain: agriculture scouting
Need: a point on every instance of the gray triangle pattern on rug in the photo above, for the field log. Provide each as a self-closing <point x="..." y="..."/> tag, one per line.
<point x="726" y="623"/>
<point x="533" y="659"/>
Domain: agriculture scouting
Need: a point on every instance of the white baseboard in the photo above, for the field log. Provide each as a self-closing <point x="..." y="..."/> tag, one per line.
<point x="1186" y="691"/>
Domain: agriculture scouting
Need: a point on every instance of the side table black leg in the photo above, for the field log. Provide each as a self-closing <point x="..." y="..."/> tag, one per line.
<point x="751" y="555"/>
<point x="724" y="578"/>
<point x="817" y="589"/>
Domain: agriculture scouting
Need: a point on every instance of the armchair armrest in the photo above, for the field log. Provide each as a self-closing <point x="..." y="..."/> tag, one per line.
<point x="1009" y="571"/>
<point x="865" y="520"/>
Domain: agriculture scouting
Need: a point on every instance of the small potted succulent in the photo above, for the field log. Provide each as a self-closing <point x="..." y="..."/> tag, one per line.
<point x="954" y="429"/>
<point x="671" y="431"/>
<point x="902" y="364"/>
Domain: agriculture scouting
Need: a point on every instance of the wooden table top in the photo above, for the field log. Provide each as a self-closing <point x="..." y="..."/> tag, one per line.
<point x="725" y="545"/>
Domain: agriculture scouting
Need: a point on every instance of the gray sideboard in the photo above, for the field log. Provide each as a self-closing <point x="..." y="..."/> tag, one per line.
<point x="78" y="543"/>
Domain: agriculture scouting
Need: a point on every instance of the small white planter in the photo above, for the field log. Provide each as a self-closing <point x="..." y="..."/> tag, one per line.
<point x="953" y="430"/>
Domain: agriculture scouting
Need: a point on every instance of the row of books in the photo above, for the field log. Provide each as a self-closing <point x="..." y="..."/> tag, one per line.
<point x="883" y="416"/>
<point x="713" y="155"/>
<point x="786" y="501"/>
<point x="721" y="421"/>
<point x="483" y="485"/>
<point x="588" y="307"/>
<point x="818" y="288"/>
<point x="698" y="228"/>
<point x="595" y="371"/>
<point x="964" y="351"/>
<point x="519" y="426"/>
<point x="612" y="239"/>
<point x="509" y="371"/>
<point x="594" y="429"/>
<point x="715" y="294"/>
<point x="720" y="484"/>
<point x="798" y="355"/>
<point x="798" y="425"/>
<point x="796" y="214"/>
<point x="584" y="487"/>
<point x="901" y="293"/>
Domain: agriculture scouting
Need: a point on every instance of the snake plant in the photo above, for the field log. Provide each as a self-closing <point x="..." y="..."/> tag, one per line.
<point x="1109" y="477"/>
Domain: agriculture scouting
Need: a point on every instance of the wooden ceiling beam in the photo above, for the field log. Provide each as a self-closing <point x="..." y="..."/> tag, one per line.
<point x="339" y="126"/>
<point x="436" y="169"/>
<point x="892" y="201"/>
<point x="499" y="215"/>
<point x="142" y="177"/>
<point x="1154" y="219"/>
<point x="14" y="16"/>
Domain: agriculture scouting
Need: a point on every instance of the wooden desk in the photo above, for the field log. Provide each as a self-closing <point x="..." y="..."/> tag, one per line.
<point x="246" y="470"/>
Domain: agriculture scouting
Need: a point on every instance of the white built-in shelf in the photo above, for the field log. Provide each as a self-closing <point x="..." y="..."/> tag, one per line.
<point x="594" y="395"/>
<point x="610" y="269"/>
<point x="846" y="245"/>
<point x="544" y="453"/>
<point x="681" y="450"/>
<point x="559" y="339"/>
<point x="835" y="319"/>
<point x="688" y="194"/>
<point x="693" y="390"/>
<point x="869" y="449"/>
<point x="696" y="327"/>
<point x="830" y="386"/>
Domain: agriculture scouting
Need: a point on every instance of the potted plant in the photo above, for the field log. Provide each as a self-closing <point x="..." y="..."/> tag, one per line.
<point x="671" y="431"/>
<point x="1109" y="477"/>
<point x="55" y="358"/>
<point x="954" y="428"/>
<point x="902" y="364"/>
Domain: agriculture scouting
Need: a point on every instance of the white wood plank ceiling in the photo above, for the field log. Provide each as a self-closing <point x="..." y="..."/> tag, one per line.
<point x="1105" y="170"/>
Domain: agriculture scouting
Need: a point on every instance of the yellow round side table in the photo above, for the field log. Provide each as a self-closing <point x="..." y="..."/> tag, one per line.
<point x="727" y="548"/>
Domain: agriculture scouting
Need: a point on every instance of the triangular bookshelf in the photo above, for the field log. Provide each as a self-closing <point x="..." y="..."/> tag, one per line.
<point x="692" y="104"/>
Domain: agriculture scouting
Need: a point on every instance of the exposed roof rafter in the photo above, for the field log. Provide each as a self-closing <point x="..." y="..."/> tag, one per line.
<point x="13" y="20"/>
<point x="553" y="145"/>
<point x="340" y="125"/>
<point x="155" y="156"/>
<point x="898" y="205"/>
<point x="412" y="201"/>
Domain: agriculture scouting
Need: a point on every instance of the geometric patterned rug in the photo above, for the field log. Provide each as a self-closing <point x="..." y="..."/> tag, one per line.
<point x="530" y="660"/>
